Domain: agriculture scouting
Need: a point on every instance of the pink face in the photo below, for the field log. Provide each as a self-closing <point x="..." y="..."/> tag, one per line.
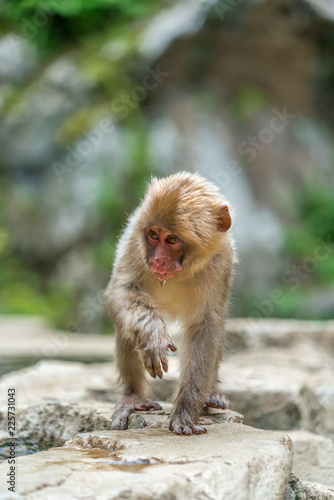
<point x="165" y="251"/>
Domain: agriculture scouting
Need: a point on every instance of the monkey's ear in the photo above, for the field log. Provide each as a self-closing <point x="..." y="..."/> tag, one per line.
<point x="224" y="218"/>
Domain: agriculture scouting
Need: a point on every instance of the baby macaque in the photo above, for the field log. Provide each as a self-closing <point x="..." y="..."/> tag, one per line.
<point x="174" y="260"/>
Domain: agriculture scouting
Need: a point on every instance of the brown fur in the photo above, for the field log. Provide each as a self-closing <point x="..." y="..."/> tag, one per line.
<point x="191" y="208"/>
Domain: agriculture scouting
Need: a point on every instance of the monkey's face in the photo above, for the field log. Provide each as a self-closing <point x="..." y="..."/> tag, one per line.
<point x="165" y="252"/>
<point x="183" y="220"/>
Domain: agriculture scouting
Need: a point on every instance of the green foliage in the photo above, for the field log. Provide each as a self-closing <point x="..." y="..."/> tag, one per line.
<point x="316" y="210"/>
<point x="311" y="249"/>
<point x="22" y="292"/>
<point x="52" y="23"/>
<point x="309" y="267"/>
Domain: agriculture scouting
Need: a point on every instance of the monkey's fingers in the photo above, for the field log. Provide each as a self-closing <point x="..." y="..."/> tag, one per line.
<point x="146" y="356"/>
<point x="164" y="363"/>
<point x="172" y="347"/>
<point x="183" y="430"/>
<point x="148" y="405"/>
<point x="188" y="430"/>
<point x="149" y="368"/>
<point x="120" y="417"/>
<point x="157" y="366"/>
<point x="181" y="423"/>
<point x="218" y="400"/>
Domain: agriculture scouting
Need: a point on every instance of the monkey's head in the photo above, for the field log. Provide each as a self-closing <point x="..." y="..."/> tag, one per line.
<point x="183" y="220"/>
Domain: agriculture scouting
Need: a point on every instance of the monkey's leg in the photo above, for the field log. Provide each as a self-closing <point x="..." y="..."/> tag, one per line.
<point x="217" y="399"/>
<point x="132" y="374"/>
<point x="198" y="376"/>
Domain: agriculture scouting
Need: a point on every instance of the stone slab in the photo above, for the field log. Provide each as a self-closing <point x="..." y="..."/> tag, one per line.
<point x="230" y="462"/>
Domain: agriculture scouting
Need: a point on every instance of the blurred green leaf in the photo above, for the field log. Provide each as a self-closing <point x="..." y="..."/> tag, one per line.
<point x="54" y="22"/>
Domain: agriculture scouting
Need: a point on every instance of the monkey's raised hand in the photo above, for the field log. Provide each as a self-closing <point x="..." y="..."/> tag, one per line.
<point x="153" y="343"/>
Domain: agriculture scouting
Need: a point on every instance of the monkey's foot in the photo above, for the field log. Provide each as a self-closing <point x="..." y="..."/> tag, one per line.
<point x="127" y="405"/>
<point x="218" y="400"/>
<point x="184" y="425"/>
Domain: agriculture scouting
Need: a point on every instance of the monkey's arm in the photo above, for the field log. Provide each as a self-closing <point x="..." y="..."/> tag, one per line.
<point x="139" y="325"/>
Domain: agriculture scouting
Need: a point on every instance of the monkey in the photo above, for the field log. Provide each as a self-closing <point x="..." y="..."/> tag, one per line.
<point x="174" y="260"/>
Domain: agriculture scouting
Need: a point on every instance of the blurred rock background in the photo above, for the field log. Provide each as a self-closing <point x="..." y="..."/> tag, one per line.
<point x="95" y="97"/>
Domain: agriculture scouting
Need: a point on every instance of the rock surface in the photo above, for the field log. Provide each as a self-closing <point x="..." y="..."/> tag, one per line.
<point x="313" y="457"/>
<point x="279" y="374"/>
<point x="52" y="412"/>
<point x="303" y="490"/>
<point x="29" y="339"/>
<point x="155" y="464"/>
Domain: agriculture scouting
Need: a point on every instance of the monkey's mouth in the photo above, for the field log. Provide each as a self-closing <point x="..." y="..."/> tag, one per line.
<point x="163" y="277"/>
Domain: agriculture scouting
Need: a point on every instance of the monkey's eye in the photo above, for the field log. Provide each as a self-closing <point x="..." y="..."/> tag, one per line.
<point x="153" y="235"/>
<point x="171" y="239"/>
